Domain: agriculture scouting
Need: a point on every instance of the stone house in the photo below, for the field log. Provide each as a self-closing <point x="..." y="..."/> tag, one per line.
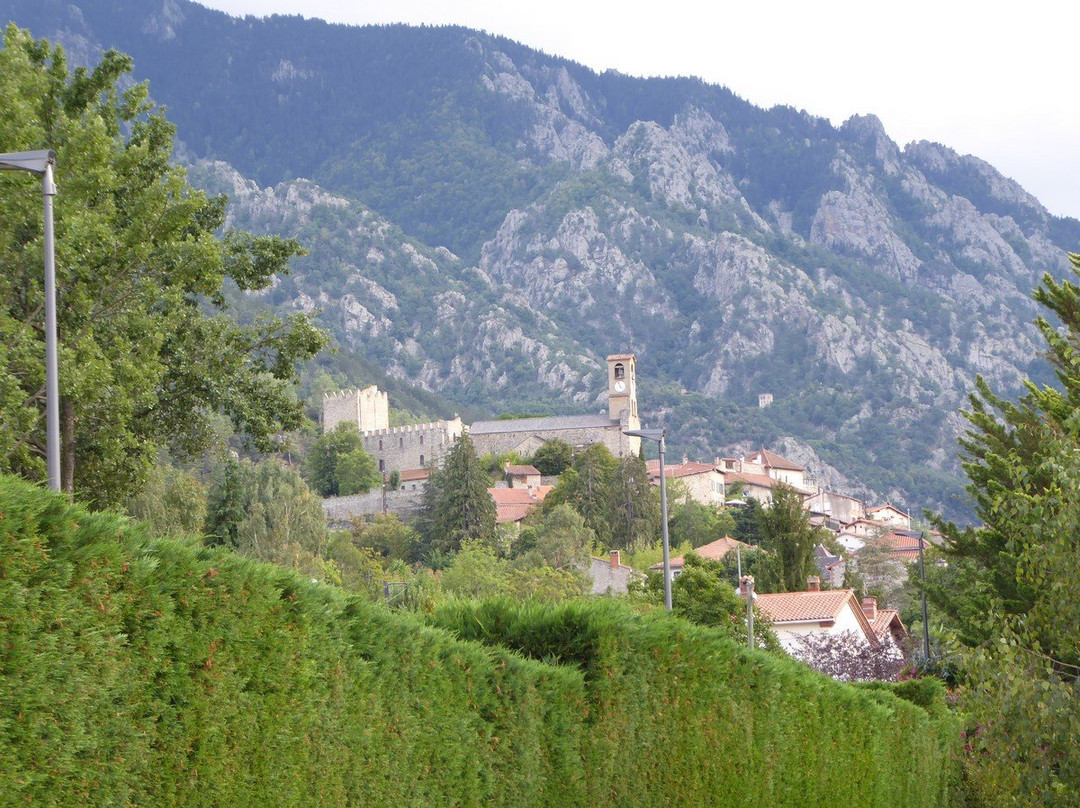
<point x="890" y="515"/>
<point x="609" y="575"/>
<point x="703" y="482"/>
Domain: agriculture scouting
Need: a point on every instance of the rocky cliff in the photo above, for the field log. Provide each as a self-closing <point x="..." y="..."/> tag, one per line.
<point x="488" y="222"/>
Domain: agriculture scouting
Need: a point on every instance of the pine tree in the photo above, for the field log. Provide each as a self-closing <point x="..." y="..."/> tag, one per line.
<point x="457" y="506"/>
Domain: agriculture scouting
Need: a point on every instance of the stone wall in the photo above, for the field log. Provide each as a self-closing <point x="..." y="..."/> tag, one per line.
<point x="411" y="447"/>
<point x="406" y="504"/>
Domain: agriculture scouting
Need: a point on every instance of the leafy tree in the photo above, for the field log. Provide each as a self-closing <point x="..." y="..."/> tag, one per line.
<point x="1019" y="603"/>
<point x="786" y="531"/>
<point x="587" y="488"/>
<point x="387" y="536"/>
<point x="148" y="354"/>
<point x="225" y="506"/>
<point x="615" y="497"/>
<point x="748" y="522"/>
<point x="457" y="506"/>
<point x="266" y="511"/>
<point x="702" y="594"/>
<point x="476" y="571"/>
<point x="634" y="506"/>
<point x="564" y="540"/>
<point x="553" y="458"/>
<point x="338" y="465"/>
<point x="171" y="500"/>
<point x="697" y="524"/>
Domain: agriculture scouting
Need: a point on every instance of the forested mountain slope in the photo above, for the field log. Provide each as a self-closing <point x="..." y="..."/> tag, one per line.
<point x="488" y="222"/>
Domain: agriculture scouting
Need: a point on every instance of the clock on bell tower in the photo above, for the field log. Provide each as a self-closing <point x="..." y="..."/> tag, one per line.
<point x="622" y="386"/>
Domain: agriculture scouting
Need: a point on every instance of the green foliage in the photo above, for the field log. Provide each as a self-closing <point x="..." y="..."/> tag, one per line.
<point x="338" y="465"/>
<point x="457" y="506"/>
<point x="786" y="531"/>
<point x="158" y="672"/>
<point x="563" y="539"/>
<point x="673" y="693"/>
<point x="147" y="352"/>
<point x="696" y="524"/>
<point x="172" y="501"/>
<point x="553" y="458"/>
<point x="265" y="511"/>
<point x="703" y="594"/>
<point x="1019" y="577"/>
<point x="615" y="497"/>
<point x="386" y="535"/>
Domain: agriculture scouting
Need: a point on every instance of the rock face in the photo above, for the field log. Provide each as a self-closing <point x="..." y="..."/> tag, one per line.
<point x="735" y="250"/>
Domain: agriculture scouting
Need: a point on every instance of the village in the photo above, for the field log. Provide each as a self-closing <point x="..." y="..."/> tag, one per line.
<point x="828" y="606"/>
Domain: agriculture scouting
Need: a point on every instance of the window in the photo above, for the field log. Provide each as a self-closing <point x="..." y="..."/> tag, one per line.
<point x="620" y="371"/>
<point x="401" y="443"/>
<point x="421" y="441"/>
<point x="382" y="465"/>
<point x="421" y="460"/>
<point x="380" y="444"/>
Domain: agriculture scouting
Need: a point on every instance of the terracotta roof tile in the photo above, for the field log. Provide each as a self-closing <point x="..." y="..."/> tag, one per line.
<point x="522" y="471"/>
<point x="793" y="607"/>
<point x="773" y="460"/>
<point x="678" y="469"/>
<point x="714" y="551"/>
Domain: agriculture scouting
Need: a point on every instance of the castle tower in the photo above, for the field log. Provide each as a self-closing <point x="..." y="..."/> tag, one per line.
<point x="369" y="409"/>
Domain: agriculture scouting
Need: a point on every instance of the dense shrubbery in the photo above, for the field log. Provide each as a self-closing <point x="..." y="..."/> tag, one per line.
<point x="156" y="672"/>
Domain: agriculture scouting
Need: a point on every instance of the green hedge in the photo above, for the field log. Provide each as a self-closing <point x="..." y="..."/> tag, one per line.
<point x="142" y="671"/>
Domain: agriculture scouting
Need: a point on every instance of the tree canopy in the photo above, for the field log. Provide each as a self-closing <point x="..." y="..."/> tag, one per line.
<point x="1011" y="588"/>
<point x="148" y="353"/>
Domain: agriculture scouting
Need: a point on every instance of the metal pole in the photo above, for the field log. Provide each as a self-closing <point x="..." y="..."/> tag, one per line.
<point x="750" y="612"/>
<point x="52" y="375"/>
<point x="664" y="528"/>
<point x="922" y="581"/>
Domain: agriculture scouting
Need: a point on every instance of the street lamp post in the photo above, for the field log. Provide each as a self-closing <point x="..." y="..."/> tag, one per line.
<point x="41" y="164"/>
<point x="658" y="436"/>
<point x="922" y="585"/>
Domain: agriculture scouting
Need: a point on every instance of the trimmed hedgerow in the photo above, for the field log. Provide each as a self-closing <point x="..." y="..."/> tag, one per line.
<point x="142" y="671"/>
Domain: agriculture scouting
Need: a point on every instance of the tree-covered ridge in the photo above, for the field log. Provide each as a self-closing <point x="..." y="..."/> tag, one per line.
<point x="735" y="250"/>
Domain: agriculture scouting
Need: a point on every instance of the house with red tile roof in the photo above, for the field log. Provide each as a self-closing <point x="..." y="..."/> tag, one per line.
<point x="519" y="476"/>
<point x="886" y="624"/>
<point x="714" y="551"/>
<point x="703" y="482"/>
<point x="512" y="505"/>
<point x="778" y="468"/>
<point x="890" y="515"/>
<point x="758" y="486"/>
<point x="816" y="611"/>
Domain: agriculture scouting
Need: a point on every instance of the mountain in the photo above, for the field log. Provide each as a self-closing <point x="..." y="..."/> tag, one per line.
<point x="487" y="222"/>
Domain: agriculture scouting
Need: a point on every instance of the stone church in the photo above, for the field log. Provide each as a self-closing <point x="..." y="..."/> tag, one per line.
<point x="421" y="445"/>
<point x="526" y="435"/>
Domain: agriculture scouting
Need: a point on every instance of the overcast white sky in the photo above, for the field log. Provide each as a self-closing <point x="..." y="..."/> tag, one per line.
<point x="993" y="79"/>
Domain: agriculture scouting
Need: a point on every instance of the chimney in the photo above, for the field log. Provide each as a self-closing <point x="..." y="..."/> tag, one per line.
<point x="614" y="559"/>
<point x="813" y="584"/>
<point x="747" y="581"/>
<point x="869" y="607"/>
